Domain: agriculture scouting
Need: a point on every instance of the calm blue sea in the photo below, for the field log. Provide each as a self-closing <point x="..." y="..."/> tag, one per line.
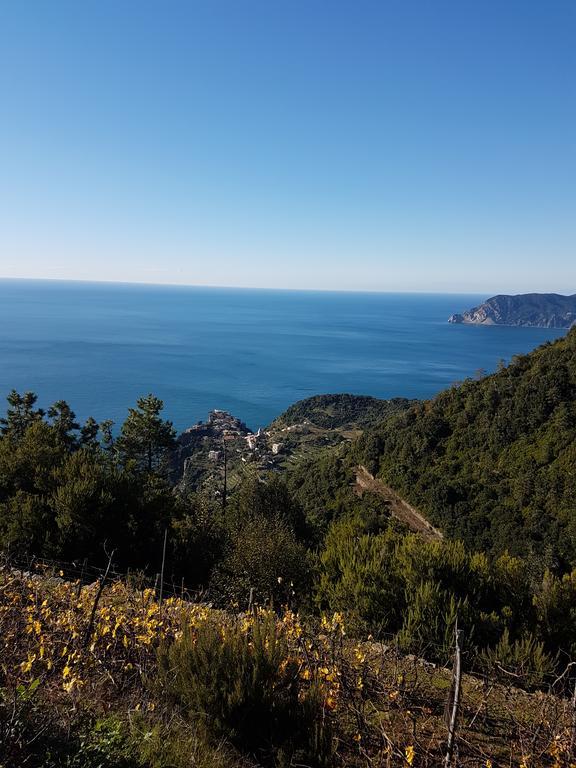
<point x="100" y="346"/>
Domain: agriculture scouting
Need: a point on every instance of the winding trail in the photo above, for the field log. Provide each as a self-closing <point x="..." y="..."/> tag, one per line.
<point x="399" y="508"/>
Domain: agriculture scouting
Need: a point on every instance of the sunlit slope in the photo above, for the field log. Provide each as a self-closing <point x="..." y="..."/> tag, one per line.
<point x="340" y="411"/>
<point x="493" y="461"/>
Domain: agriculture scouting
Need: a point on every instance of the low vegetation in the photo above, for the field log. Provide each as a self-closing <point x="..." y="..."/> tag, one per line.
<point x="182" y="684"/>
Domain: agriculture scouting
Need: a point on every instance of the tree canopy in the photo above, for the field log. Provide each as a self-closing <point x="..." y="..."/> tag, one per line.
<point x="145" y="438"/>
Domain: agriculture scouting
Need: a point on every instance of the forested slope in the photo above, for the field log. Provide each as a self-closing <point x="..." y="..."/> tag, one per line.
<point x="341" y="411"/>
<point x="493" y="461"/>
<point x="89" y="669"/>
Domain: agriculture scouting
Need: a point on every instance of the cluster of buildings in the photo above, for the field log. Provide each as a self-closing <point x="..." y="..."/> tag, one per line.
<point x="221" y="438"/>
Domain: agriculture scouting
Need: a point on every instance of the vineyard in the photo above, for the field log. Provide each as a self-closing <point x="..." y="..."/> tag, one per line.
<point x="74" y="655"/>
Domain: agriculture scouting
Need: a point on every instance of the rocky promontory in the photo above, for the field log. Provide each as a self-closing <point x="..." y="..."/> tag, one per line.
<point x="538" y="310"/>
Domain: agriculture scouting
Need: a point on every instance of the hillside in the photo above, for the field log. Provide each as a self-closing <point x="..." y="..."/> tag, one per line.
<point x="306" y="428"/>
<point x="115" y="678"/>
<point x="130" y="673"/>
<point x="340" y="411"/>
<point x="543" y="310"/>
<point x="493" y="461"/>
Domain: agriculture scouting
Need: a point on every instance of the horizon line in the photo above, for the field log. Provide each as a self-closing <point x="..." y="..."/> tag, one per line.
<point x="213" y="286"/>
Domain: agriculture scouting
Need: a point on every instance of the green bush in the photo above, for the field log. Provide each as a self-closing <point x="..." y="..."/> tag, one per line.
<point x="357" y="577"/>
<point x="428" y="628"/>
<point x="524" y="661"/>
<point x="240" y="684"/>
<point x="32" y="735"/>
<point x="106" y="745"/>
<point x="176" y="744"/>
<point x="18" y="715"/>
<point x="262" y="556"/>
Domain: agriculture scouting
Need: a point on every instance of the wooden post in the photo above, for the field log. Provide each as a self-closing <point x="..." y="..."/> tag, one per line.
<point x="81" y="579"/>
<point x="225" y="488"/>
<point x="96" y="600"/>
<point x="454" y="696"/>
<point x="573" y="733"/>
<point x="162" y="568"/>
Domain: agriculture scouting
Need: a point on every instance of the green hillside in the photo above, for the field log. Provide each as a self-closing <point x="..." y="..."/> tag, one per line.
<point x="493" y="461"/>
<point x="341" y="411"/>
<point x="319" y="617"/>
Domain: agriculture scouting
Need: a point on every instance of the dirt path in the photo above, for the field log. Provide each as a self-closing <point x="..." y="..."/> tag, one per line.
<point x="398" y="507"/>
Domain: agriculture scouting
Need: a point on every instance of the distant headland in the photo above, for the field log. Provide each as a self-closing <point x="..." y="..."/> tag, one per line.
<point x="537" y="310"/>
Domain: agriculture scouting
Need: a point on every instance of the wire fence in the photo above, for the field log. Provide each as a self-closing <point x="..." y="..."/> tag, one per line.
<point x="85" y="573"/>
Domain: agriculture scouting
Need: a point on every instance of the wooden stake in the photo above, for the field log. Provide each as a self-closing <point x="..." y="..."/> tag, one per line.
<point x="81" y="579"/>
<point x="225" y="488"/>
<point x="573" y="730"/>
<point x="96" y="600"/>
<point x="454" y="695"/>
<point x="162" y="568"/>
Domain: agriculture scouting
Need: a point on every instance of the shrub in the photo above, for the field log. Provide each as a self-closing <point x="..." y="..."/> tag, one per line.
<point x="263" y="557"/>
<point x="239" y="682"/>
<point x="524" y="660"/>
<point x="358" y="579"/>
<point x="428" y="628"/>
<point x="31" y="735"/>
<point x="176" y="744"/>
<point x="18" y="715"/>
<point x="106" y="745"/>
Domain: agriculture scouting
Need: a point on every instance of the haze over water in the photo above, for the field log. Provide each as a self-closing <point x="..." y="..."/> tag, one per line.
<point x="253" y="352"/>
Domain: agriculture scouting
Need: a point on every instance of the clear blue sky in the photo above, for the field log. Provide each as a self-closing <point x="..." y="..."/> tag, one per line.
<point x="381" y="144"/>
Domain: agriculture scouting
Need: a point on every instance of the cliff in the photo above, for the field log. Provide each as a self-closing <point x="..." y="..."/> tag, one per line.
<point x="543" y="310"/>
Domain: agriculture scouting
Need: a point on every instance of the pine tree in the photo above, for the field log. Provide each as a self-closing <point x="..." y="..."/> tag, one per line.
<point x="145" y="438"/>
<point x="64" y="423"/>
<point x="89" y="433"/>
<point x="20" y="414"/>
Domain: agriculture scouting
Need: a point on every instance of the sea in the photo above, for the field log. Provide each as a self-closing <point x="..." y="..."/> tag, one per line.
<point x="100" y="346"/>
